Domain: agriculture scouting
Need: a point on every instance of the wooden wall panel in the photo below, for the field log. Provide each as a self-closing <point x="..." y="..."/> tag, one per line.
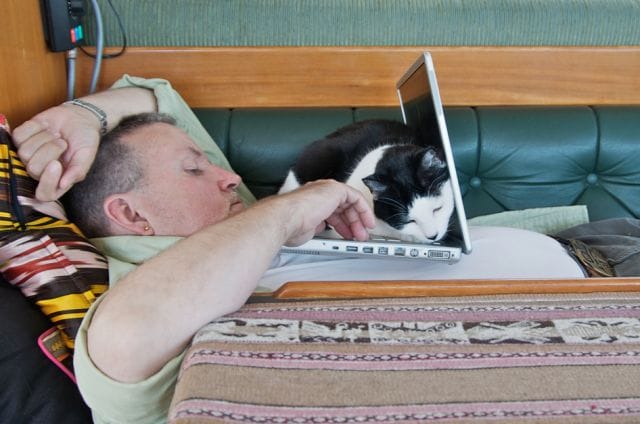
<point x="366" y="76"/>
<point x="31" y="77"/>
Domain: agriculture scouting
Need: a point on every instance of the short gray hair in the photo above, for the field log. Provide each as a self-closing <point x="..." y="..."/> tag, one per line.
<point x="116" y="169"/>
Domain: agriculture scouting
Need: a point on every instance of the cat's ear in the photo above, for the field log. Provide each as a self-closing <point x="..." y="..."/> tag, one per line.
<point x="375" y="185"/>
<point x="431" y="160"/>
<point x="432" y="169"/>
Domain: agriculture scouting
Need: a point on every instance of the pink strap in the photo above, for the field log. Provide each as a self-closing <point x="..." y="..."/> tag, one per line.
<point x="50" y="338"/>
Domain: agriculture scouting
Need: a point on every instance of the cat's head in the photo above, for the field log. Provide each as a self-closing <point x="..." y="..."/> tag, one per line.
<point x="412" y="193"/>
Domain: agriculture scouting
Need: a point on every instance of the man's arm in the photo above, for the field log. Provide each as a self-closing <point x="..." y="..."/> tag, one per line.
<point x="152" y="313"/>
<point x="58" y="145"/>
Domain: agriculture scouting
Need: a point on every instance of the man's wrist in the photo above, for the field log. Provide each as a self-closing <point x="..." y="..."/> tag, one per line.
<point x="95" y="110"/>
<point x="288" y="212"/>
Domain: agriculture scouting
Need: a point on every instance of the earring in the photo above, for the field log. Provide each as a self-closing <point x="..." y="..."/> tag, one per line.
<point x="146" y="228"/>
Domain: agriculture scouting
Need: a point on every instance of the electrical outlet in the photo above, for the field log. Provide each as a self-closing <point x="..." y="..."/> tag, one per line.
<point x="62" y="21"/>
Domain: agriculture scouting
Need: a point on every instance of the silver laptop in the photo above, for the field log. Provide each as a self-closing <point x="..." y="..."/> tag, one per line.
<point x="421" y="109"/>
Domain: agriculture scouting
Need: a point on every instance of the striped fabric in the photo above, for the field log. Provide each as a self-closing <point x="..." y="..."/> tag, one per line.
<point x="542" y="358"/>
<point x="43" y="254"/>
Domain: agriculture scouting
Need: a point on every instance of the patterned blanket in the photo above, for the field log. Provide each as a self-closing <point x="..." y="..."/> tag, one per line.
<point x="546" y="358"/>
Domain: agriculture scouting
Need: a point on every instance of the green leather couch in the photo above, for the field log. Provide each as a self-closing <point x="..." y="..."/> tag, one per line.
<point x="507" y="158"/>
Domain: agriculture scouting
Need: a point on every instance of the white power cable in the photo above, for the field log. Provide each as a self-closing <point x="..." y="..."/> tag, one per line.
<point x="71" y="72"/>
<point x="99" y="47"/>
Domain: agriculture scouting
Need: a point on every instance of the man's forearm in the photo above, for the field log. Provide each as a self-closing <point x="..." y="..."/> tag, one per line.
<point x="156" y="309"/>
<point x="121" y="102"/>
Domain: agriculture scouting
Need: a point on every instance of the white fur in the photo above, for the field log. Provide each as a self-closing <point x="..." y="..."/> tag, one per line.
<point x="290" y="183"/>
<point x="430" y="225"/>
<point x="366" y="167"/>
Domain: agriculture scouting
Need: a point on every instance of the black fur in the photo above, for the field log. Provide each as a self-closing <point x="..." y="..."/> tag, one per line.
<point x="336" y="155"/>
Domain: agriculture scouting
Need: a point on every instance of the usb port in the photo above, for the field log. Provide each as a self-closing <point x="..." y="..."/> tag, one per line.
<point x="352" y="248"/>
<point x="383" y="251"/>
<point x="367" y="249"/>
<point x="399" y="251"/>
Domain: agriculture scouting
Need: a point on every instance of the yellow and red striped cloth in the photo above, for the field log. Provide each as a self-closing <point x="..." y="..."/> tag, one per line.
<point x="44" y="255"/>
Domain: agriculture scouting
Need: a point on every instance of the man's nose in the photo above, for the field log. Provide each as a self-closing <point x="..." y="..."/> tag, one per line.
<point x="228" y="180"/>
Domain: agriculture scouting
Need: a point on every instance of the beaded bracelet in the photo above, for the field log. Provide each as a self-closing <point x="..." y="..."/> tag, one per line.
<point x="99" y="113"/>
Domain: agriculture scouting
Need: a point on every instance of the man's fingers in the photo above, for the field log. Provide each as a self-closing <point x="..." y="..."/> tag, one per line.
<point x="29" y="147"/>
<point x="353" y="216"/>
<point x="358" y="204"/>
<point x="349" y="225"/>
<point x="47" y="153"/>
<point x="77" y="168"/>
<point x="359" y="231"/>
<point x="352" y="222"/>
<point x="48" y="187"/>
<point x="26" y="131"/>
<point x="358" y="210"/>
<point x="340" y="226"/>
<point x="359" y="220"/>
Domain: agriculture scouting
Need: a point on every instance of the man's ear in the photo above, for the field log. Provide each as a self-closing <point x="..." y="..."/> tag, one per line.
<point x="124" y="218"/>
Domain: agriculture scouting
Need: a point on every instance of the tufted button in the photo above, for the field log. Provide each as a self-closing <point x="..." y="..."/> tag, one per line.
<point x="592" y="178"/>
<point x="475" y="182"/>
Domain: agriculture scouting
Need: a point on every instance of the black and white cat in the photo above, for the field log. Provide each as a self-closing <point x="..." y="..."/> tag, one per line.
<point x="406" y="183"/>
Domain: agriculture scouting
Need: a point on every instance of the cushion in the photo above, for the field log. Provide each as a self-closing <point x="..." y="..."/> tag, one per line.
<point x="34" y="389"/>
<point x="549" y="220"/>
<point x="43" y="254"/>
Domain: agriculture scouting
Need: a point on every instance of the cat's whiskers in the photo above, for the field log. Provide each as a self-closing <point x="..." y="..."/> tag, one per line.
<point x="392" y="202"/>
<point x="450" y="226"/>
<point x="390" y="217"/>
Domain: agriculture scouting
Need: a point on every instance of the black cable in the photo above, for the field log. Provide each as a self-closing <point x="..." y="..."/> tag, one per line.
<point x="14" y="201"/>
<point x="124" y="37"/>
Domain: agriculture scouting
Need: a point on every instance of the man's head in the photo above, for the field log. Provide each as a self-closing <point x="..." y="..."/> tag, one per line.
<point x="150" y="178"/>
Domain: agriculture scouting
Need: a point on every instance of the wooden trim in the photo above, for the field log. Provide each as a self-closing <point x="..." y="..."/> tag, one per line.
<point x="378" y="289"/>
<point x="366" y="76"/>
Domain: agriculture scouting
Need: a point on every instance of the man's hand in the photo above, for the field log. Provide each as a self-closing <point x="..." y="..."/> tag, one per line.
<point x="58" y="146"/>
<point x="327" y="202"/>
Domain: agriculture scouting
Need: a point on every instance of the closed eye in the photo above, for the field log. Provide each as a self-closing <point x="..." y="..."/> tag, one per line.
<point x="438" y="209"/>
<point x="195" y="162"/>
<point x="194" y="171"/>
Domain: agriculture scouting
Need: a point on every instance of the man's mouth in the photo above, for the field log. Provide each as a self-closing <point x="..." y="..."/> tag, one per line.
<point x="236" y="205"/>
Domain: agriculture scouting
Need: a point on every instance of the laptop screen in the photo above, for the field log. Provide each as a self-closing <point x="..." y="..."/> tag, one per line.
<point x="422" y="110"/>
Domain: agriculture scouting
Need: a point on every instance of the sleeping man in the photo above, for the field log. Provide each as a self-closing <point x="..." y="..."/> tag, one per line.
<point x="187" y="243"/>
